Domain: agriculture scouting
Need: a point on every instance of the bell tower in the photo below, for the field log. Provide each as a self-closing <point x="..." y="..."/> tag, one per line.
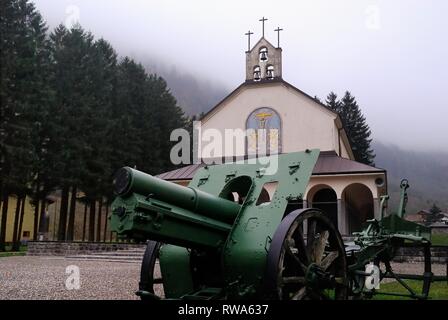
<point x="263" y="61"/>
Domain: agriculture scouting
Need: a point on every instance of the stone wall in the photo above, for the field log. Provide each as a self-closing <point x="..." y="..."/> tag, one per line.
<point x="54" y="248"/>
<point x="439" y="254"/>
<point x="439" y="230"/>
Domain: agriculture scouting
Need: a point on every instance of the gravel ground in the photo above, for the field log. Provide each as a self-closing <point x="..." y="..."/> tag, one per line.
<point x="44" y="278"/>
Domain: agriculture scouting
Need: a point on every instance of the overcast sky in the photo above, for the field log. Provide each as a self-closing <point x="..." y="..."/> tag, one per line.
<point x="392" y="55"/>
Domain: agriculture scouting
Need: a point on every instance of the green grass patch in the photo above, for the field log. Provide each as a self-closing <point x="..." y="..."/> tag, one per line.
<point x="11" y="254"/>
<point x="21" y="249"/>
<point x="439" y="239"/>
<point x="438" y="290"/>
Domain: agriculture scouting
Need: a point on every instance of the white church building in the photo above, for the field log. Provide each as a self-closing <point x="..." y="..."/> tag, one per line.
<point x="348" y="191"/>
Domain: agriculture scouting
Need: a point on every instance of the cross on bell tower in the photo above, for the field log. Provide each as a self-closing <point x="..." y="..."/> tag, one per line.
<point x="263" y="60"/>
<point x="263" y="20"/>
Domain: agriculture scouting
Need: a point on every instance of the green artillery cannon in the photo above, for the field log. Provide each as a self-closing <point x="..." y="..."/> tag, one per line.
<point x="239" y="231"/>
<point x="378" y="244"/>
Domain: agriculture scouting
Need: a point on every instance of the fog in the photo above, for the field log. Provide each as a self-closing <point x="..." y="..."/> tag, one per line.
<point x="392" y="55"/>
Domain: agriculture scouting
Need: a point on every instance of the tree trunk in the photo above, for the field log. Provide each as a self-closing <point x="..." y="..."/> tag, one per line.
<point x="92" y="220"/>
<point x="71" y="221"/>
<point x="63" y="214"/>
<point x="22" y="214"/>
<point x="85" y="222"/>
<point x="105" y="222"/>
<point x="4" y="220"/>
<point x="1" y="194"/>
<point x="37" y="195"/>
<point x="43" y="221"/>
<point x="15" y="241"/>
<point x="36" y="219"/>
<point x="98" y="226"/>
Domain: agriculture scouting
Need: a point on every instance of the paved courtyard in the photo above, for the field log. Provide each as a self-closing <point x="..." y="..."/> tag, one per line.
<point x="45" y="278"/>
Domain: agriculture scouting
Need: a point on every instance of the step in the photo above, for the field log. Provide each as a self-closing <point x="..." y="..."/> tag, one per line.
<point x="118" y="253"/>
<point x="105" y="258"/>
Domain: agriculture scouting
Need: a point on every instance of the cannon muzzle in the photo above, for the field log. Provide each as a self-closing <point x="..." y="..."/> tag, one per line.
<point x="129" y="181"/>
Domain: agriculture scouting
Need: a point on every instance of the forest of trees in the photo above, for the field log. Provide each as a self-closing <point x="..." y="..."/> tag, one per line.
<point x="72" y="112"/>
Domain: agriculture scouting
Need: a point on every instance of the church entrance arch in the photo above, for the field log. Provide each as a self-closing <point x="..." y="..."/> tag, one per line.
<point x="324" y="198"/>
<point x="358" y="202"/>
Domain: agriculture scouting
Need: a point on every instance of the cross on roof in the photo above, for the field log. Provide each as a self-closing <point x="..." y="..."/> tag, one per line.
<point x="262" y="20"/>
<point x="278" y="39"/>
<point x="248" y="34"/>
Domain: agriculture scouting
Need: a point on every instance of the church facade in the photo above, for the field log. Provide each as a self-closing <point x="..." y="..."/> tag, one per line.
<point x="289" y="121"/>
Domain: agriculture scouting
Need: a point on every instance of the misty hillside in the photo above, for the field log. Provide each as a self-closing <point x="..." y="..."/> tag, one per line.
<point x="427" y="173"/>
<point x="193" y="93"/>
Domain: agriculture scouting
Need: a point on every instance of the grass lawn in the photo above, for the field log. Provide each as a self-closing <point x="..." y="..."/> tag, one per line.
<point x="439" y="239"/>
<point x="438" y="291"/>
<point x="9" y="253"/>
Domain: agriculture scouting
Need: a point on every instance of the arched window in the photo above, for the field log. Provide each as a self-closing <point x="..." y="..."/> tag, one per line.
<point x="257" y="73"/>
<point x="263" y="54"/>
<point x="270" y="72"/>
<point x="263" y="132"/>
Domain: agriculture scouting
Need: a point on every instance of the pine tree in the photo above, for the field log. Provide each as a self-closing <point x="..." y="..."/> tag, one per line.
<point x="434" y="216"/>
<point x="72" y="54"/>
<point x="333" y="103"/>
<point x="169" y="116"/>
<point x="24" y="97"/>
<point x="355" y="126"/>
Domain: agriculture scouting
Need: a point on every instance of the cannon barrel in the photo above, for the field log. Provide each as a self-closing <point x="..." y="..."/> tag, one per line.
<point x="128" y="181"/>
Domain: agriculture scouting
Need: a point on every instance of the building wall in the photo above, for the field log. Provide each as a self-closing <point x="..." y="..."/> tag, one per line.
<point x="28" y="219"/>
<point x="53" y="221"/>
<point x="305" y="124"/>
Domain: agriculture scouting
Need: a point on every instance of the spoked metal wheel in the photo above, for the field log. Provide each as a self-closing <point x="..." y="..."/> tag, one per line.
<point x="150" y="282"/>
<point x="306" y="259"/>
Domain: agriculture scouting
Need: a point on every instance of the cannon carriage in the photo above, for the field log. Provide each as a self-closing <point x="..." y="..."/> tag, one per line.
<point x="240" y="231"/>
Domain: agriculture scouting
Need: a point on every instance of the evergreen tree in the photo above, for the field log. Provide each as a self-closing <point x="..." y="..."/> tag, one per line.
<point x="24" y="96"/>
<point x="72" y="51"/>
<point x="169" y="117"/>
<point x="355" y="126"/>
<point x="333" y="103"/>
<point x="434" y="216"/>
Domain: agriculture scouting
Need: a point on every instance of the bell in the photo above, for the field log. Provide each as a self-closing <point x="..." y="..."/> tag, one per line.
<point x="257" y="76"/>
<point x="264" y="56"/>
<point x="270" y="74"/>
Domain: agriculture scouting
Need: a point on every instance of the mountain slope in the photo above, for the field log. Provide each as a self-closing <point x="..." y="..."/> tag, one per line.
<point x="427" y="173"/>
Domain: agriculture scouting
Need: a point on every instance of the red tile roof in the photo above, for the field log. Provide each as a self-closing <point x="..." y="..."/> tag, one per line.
<point x="329" y="163"/>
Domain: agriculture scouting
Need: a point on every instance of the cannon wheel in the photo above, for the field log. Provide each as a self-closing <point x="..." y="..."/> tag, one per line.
<point x="147" y="280"/>
<point x="386" y="271"/>
<point x="305" y="266"/>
